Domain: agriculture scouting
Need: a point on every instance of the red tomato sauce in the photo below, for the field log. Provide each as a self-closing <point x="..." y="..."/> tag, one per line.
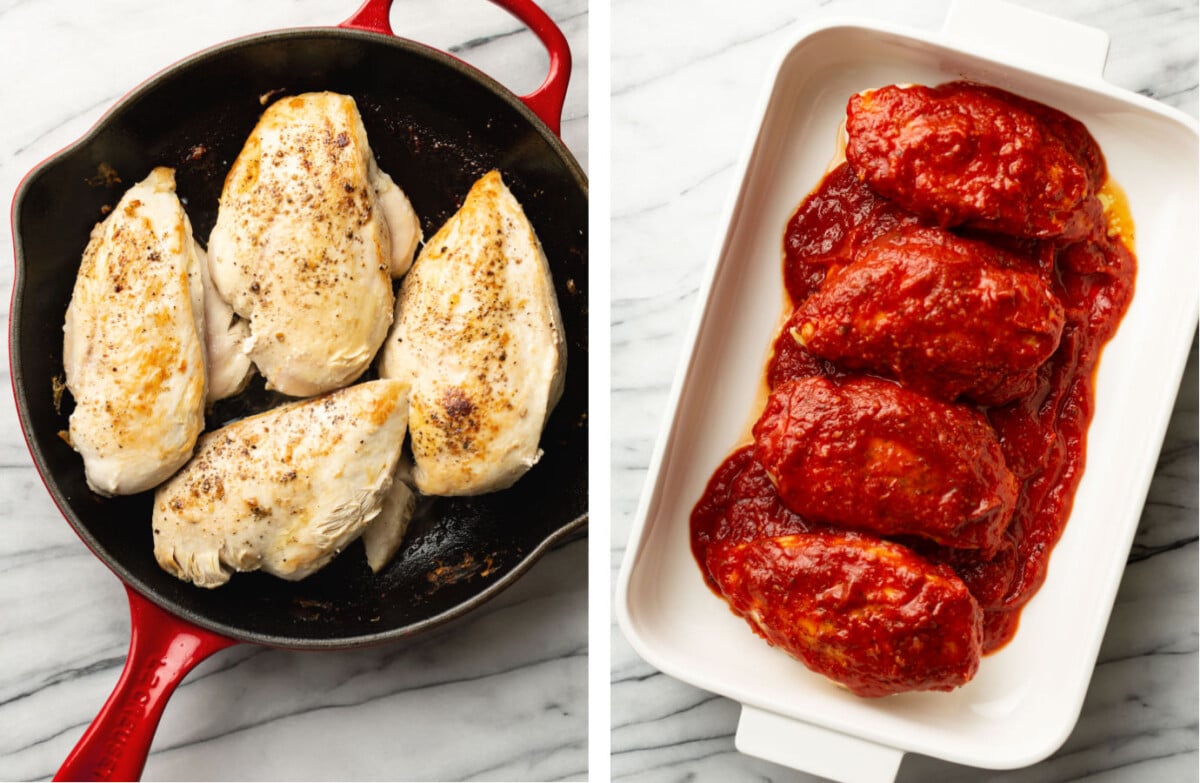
<point x="1043" y="434"/>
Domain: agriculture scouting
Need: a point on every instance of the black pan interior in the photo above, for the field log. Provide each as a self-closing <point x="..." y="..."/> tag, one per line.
<point x="435" y="126"/>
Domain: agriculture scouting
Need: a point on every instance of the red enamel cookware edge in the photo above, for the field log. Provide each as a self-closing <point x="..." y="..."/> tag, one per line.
<point x="547" y="100"/>
<point x="164" y="648"/>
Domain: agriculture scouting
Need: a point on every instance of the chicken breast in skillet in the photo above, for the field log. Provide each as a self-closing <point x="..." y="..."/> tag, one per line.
<point x="229" y="368"/>
<point x="308" y="233"/>
<point x="283" y="491"/>
<point x="133" y="350"/>
<point x="479" y="337"/>
<point x="386" y="532"/>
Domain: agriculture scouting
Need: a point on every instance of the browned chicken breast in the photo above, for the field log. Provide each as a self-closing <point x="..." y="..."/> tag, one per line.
<point x="133" y="346"/>
<point x="283" y="491"/>
<point x="229" y="368"/>
<point x="479" y="337"/>
<point x="384" y="535"/>
<point x="308" y="234"/>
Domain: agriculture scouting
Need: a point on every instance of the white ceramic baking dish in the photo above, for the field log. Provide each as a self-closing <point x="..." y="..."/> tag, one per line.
<point x="1026" y="698"/>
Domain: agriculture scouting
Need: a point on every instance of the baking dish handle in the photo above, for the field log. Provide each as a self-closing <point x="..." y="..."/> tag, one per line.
<point x="162" y="650"/>
<point x="814" y="749"/>
<point x="547" y="100"/>
<point x="1021" y="34"/>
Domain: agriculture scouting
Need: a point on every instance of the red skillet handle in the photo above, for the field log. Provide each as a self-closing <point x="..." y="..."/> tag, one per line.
<point x="162" y="650"/>
<point x="547" y="100"/>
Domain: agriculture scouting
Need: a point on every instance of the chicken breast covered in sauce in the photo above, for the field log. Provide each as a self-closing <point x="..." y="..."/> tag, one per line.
<point x="943" y="315"/>
<point x="963" y="154"/>
<point x="479" y="337"/>
<point x="868" y="614"/>
<point x="286" y="490"/>
<point x="867" y="454"/>
<point x="972" y="258"/>
<point x="830" y="225"/>
<point x="133" y="349"/>
<point x="308" y="235"/>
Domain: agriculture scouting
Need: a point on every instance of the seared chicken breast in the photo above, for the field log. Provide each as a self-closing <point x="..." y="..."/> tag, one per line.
<point x="133" y="350"/>
<point x="304" y="244"/>
<point x="404" y="227"/>
<point x="386" y="532"/>
<point x="479" y="338"/>
<point x="283" y="491"/>
<point x="229" y="368"/>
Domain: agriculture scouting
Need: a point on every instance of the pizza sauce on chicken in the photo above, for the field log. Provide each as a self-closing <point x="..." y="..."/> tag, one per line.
<point x="951" y="286"/>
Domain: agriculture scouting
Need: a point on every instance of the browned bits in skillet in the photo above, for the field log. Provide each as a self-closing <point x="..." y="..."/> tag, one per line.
<point x="58" y="384"/>
<point x="469" y="567"/>
<point x="105" y="176"/>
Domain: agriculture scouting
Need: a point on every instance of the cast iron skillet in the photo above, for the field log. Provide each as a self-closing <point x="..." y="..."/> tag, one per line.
<point x="435" y="125"/>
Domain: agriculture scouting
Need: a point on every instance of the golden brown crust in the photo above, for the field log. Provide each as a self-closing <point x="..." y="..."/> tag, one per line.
<point x="479" y="336"/>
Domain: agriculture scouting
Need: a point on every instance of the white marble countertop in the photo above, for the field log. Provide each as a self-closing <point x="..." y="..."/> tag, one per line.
<point x="684" y="87"/>
<point x="499" y="695"/>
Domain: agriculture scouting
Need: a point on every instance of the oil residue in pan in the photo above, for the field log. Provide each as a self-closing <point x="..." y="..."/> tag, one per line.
<point x="450" y="541"/>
